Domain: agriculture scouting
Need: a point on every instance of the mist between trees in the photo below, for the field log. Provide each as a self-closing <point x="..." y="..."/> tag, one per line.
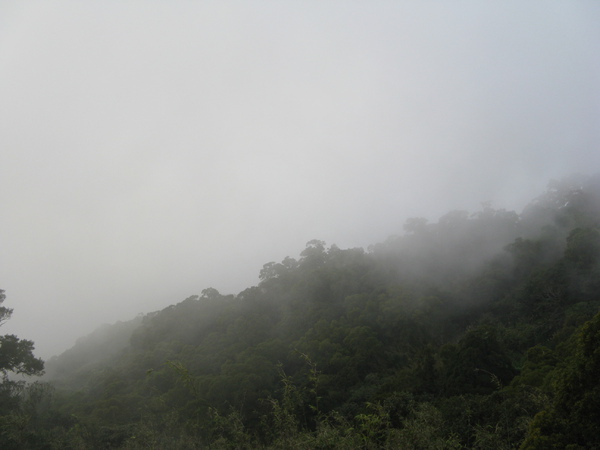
<point x="478" y="331"/>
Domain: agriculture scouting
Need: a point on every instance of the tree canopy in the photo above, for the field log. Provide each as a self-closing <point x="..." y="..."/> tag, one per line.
<point x="16" y="355"/>
<point x="478" y="331"/>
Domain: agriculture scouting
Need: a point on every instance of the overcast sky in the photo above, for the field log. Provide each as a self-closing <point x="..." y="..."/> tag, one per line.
<point x="151" y="149"/>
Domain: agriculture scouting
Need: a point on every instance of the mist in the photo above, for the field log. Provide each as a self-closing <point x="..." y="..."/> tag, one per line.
<point x="151" y="150"/>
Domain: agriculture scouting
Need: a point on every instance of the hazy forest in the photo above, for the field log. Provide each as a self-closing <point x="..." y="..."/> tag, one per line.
<point x="479" y="331"/>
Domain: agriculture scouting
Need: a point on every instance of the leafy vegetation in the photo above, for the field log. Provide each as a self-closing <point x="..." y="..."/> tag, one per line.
<point x="16" y="358"/>
<point x="478" y="331"/>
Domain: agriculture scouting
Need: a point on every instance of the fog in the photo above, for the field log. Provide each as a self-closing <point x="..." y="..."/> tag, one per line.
<point x="149" y="150"/>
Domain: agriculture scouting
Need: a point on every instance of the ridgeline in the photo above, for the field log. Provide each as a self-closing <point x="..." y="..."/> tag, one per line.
<point x="478" y="331"/>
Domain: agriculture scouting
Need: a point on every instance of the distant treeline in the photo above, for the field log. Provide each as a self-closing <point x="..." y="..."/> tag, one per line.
<point x="479" y="331"/>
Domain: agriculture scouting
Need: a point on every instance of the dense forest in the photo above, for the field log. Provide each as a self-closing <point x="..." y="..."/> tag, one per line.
<point x="479" y="331"/>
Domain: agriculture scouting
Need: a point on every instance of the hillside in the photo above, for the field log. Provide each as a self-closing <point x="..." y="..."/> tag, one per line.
<point x="477" y="331"/>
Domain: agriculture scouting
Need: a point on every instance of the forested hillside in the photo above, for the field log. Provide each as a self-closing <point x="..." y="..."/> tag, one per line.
<point x="480" y="330"/>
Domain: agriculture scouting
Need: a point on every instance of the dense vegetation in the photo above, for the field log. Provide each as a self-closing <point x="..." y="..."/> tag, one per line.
<point x="16" y="359"/>
<point x="478" y="331"/>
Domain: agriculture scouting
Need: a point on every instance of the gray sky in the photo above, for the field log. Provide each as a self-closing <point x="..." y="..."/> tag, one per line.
<point x="151" y="149"/>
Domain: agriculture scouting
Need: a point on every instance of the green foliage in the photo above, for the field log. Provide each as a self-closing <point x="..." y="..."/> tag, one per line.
<point x="573" y="418"/>
<point x="19" y="404"/>
<point x="454" y="335"/>
<point x="16" y="355"/>
<point x="478" y="364"/>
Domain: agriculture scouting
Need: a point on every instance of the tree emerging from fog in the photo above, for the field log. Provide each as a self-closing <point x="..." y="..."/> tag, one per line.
<point x="476" y="331"/>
